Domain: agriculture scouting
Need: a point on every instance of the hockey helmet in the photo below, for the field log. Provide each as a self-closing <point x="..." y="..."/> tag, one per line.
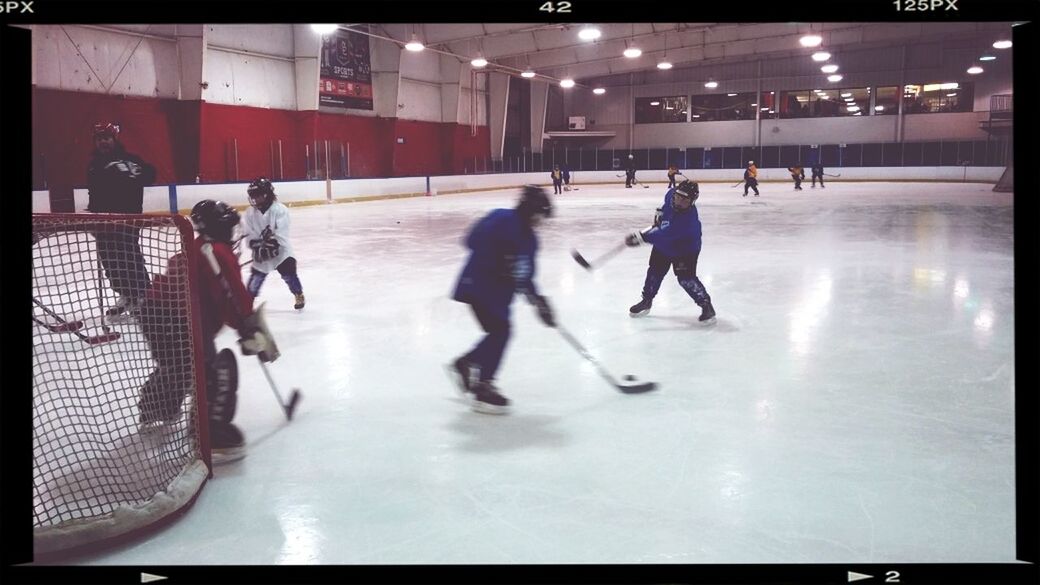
<point x="534" y="202"/>
<point x="106" y="129"/>
<point x="261" y="193"/>
<point x="684" y="194"/>
<point x="215" y="219"/>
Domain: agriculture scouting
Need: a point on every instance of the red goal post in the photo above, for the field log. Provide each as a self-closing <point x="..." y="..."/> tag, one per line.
<point x="119" y="446"/>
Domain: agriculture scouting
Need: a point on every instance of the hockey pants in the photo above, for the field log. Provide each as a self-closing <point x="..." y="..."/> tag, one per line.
<point x="488" y="353"/>
<point x="121" y="257"/>
<point x="288" y="271"/>
<point x="685" y="268"/>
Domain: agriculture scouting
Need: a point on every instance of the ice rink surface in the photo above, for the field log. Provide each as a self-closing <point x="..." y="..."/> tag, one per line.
<point x="853" y="403"/>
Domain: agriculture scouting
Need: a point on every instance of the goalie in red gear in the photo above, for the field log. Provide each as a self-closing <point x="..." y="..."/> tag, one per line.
<point x="223" y="300"/>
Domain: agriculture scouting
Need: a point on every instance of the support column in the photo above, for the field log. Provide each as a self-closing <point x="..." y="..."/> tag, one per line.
<point x="498" y="92"/>
<point x="306" y="55"/>
<point x="539" y="103"/>
<point x="899" y="96"/>
<point x="451" y="89"/>
<point x="191" y="59"/>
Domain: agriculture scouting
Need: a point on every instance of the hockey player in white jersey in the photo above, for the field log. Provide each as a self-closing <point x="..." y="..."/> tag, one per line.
<point x="266" y="229"/>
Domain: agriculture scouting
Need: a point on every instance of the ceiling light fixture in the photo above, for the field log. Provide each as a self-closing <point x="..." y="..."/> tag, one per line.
<point x="711" y="84"/>
<point x="480" y="61"/>
<point x="567" y="82"/>
<point x="414" y="45"/>
<point x="811" y="40"/>
<point x="987" y="58"/>
<point x="599" y="91"/>
<point x="528" y="74"/>
<point x="834" y="78"/>
<point x="655" y="103"/>
<point x="821" y="56"/>
<point x="829" y="68"/>
<point x="633" y="52"/>
<point x="975" y="70"/>
<point x="664" y="65"/>
<point x="324" y="29"/>
<point x="1002" y="44"/>
<point x="589" y="33"/>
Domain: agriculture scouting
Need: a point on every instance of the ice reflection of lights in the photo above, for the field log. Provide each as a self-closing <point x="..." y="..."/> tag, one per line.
<point x="961" y="288"/>
<point x="808" y="315"/>
<point x="340" y="363"/>
<point x="732" y="484"/>
<point x="984" y="320"/>
<point x="763" y="409"/>
<point x="928" y="276"/>
<point x="567" y="282"/>
<point x="302" y="538"/>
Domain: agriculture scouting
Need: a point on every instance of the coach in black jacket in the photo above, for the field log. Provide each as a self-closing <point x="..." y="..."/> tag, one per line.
<point x="115" y="184"/>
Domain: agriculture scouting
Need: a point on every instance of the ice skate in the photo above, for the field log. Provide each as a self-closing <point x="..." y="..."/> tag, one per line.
<point x="641" y="308"/>
<point x="227" y="442"/>
<point x="461" y="372"/>
<point x="487" y="400"/>
<point x="707" y="314"/>
<point x="299" y="302"/>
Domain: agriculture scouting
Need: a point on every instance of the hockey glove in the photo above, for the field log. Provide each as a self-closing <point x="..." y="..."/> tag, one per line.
<point x="256" y="337"/>
<point x="634" y="239"/>
<point x="254" y="343"/>
<point x="658" y="215"/>
<point x="265" y="249"/>
<point x="545" y="312"/>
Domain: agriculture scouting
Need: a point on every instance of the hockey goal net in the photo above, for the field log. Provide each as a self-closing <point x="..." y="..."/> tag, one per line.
<point x="1006" y="183"/>
<point x="118" y="447"/>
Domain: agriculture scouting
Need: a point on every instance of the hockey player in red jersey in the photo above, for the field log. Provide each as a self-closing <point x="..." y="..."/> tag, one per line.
<point x="223" y="300"/>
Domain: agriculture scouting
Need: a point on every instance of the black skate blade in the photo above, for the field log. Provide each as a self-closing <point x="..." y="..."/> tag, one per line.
<point x="294" y="399"/>
<point x="637" y="387"/>
<point x="580" y="259"/>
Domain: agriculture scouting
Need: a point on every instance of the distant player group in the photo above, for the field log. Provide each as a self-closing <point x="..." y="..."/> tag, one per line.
<point x="503" y="246"/>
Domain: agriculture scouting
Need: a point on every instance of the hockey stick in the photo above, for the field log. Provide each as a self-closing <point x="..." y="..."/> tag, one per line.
<point x="735" y="184"/>
<point x="630" y="385"/>
<point x="294" y="396"/>
<point x="95" y="340"/>
<point x="63" y="326"/>
<point x="595" y="264"/>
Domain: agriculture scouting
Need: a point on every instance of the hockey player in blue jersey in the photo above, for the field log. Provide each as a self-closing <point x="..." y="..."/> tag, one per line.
<point x="502" y="262"/>
<point x="676" y="237"/>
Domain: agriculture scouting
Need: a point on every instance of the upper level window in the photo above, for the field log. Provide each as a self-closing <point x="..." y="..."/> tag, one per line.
<point x="886" y="101"/>
<point x="722" y="106"/>
<point x="853" y="101"/>
<point x="655" y="110"/>
<point x="938" y="97"/>
<point x="795" y="104"/>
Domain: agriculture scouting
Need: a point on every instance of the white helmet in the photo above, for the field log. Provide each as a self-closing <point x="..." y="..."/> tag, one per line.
<point x="750" y="162"/>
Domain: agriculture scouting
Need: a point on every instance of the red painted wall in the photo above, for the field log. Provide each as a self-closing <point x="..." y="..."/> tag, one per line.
<point x="184" y="139"/>
<point x="62" y="133"/>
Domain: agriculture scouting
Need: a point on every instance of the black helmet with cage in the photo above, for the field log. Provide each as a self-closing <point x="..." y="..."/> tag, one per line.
<point x="215" y="219"/>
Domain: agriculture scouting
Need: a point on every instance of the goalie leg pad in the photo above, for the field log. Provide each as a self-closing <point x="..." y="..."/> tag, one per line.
<point x="222" y="387"/>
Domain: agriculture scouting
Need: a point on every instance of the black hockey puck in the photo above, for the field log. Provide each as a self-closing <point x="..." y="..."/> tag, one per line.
<point x="629" y="377"/>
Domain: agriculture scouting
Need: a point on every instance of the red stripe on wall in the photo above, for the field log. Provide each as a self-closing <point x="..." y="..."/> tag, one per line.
<point x="185" y="139"/>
